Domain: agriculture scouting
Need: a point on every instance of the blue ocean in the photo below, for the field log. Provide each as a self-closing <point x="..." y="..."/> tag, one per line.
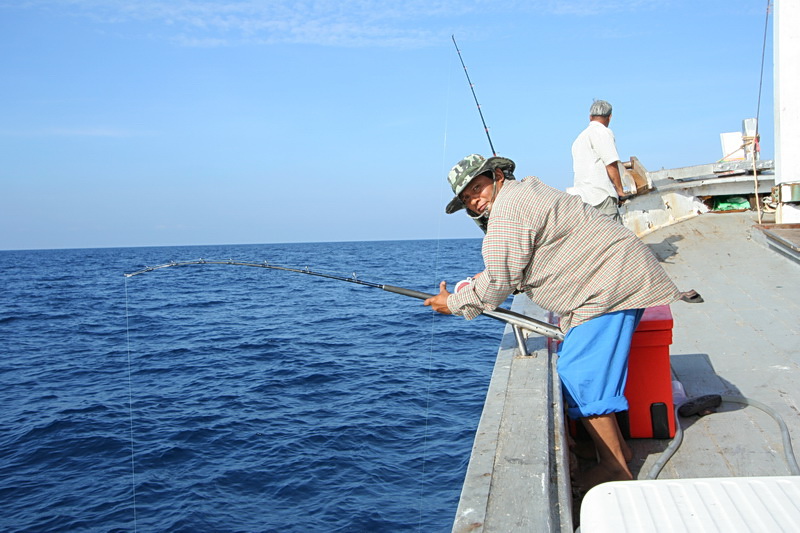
<point x="226" y="398"/>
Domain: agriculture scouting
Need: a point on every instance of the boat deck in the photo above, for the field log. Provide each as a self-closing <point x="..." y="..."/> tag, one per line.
<point x="741" y="342"/>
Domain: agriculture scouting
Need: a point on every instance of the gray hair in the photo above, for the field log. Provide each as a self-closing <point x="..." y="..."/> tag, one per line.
<point x="600" y="108"/>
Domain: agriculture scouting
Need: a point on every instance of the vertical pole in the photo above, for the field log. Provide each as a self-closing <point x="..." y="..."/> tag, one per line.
<point x="521" y="346"/>
<point x="787" y="109"/>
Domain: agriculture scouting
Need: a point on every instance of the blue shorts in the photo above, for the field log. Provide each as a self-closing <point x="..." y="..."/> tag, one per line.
<point x="593" y="363"/>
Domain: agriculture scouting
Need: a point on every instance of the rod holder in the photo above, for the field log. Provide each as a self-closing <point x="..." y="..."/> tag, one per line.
<point x="521" y="345"/>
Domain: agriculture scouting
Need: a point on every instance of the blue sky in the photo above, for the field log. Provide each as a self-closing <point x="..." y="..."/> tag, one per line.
<point x="181" y="122"/>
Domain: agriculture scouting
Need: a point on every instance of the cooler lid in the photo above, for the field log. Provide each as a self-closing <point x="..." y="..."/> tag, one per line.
<point x="654" y="318"/>
<point x="724" y="505"/>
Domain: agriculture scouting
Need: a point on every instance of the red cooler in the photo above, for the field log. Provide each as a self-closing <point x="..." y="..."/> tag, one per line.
<point x="649" y="387"/>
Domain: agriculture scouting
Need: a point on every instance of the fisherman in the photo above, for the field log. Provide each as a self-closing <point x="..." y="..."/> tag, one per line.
<point x="595" y="163"/>
<point x="595" y="274"/>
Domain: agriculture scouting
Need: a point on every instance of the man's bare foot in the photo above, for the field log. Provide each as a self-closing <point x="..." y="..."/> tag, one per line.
<point x="601" y="473"/>
<point x="584" y="449"/>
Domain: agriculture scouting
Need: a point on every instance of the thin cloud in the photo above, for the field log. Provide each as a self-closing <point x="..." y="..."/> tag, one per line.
<point x="73" y="132"/>
<point x="90" y="132"/>
<point x="597" y="7"/>
<point x="412" y="23"/>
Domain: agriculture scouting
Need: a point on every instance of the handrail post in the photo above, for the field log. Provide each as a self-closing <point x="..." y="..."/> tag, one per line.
<point x="521" y="345"/>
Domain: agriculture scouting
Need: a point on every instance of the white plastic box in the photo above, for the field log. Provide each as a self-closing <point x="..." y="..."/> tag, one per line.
<point x="703" y="505"/>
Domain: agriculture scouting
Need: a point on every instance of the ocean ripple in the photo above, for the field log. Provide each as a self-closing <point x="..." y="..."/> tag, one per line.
<point x="227" y="399"/>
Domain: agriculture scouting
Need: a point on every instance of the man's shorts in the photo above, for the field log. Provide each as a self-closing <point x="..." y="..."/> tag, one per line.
<point x="593" y="363"/>
<point x="609" y="207"/>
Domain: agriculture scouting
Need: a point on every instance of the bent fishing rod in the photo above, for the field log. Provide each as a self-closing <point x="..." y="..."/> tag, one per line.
<point x="472" y="88"/>
<point x="516" y="320"/>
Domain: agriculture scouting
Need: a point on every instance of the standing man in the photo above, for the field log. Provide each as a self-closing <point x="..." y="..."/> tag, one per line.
<point x="595" y="163"/>
<point x="569" y="259"/>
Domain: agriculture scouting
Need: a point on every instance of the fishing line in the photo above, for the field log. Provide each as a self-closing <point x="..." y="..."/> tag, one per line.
<point x="515" y="319"/>
<point x="423" y="477"/>
<point x="505" y="315"/>
<point x="499" y="313"/>
<point x="130" y="403"/>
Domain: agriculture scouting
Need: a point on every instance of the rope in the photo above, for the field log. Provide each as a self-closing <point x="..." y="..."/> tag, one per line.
<point x="754" y="139"/>
<point x="747" y="140"/>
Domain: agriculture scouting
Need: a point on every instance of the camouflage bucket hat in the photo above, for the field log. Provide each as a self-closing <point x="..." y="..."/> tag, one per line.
<point x="466" y="170"/>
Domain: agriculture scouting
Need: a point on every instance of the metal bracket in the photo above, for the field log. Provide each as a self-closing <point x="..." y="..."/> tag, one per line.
<point x="521" y="345"/>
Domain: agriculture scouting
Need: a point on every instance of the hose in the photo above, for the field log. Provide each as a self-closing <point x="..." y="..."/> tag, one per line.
<point x="788" y="450"/>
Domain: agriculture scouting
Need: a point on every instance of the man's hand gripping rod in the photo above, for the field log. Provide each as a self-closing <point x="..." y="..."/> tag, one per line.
<point x="516" y="320"/>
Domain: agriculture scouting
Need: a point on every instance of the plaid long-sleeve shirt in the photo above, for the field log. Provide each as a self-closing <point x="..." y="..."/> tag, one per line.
<point x="566" y="256"/>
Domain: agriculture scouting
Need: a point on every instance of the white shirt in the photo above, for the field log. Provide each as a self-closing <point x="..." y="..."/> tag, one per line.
<point x="594" y="148"/>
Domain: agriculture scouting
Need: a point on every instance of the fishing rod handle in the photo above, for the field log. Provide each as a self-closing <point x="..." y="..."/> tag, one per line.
<point x="407" y="292"/>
